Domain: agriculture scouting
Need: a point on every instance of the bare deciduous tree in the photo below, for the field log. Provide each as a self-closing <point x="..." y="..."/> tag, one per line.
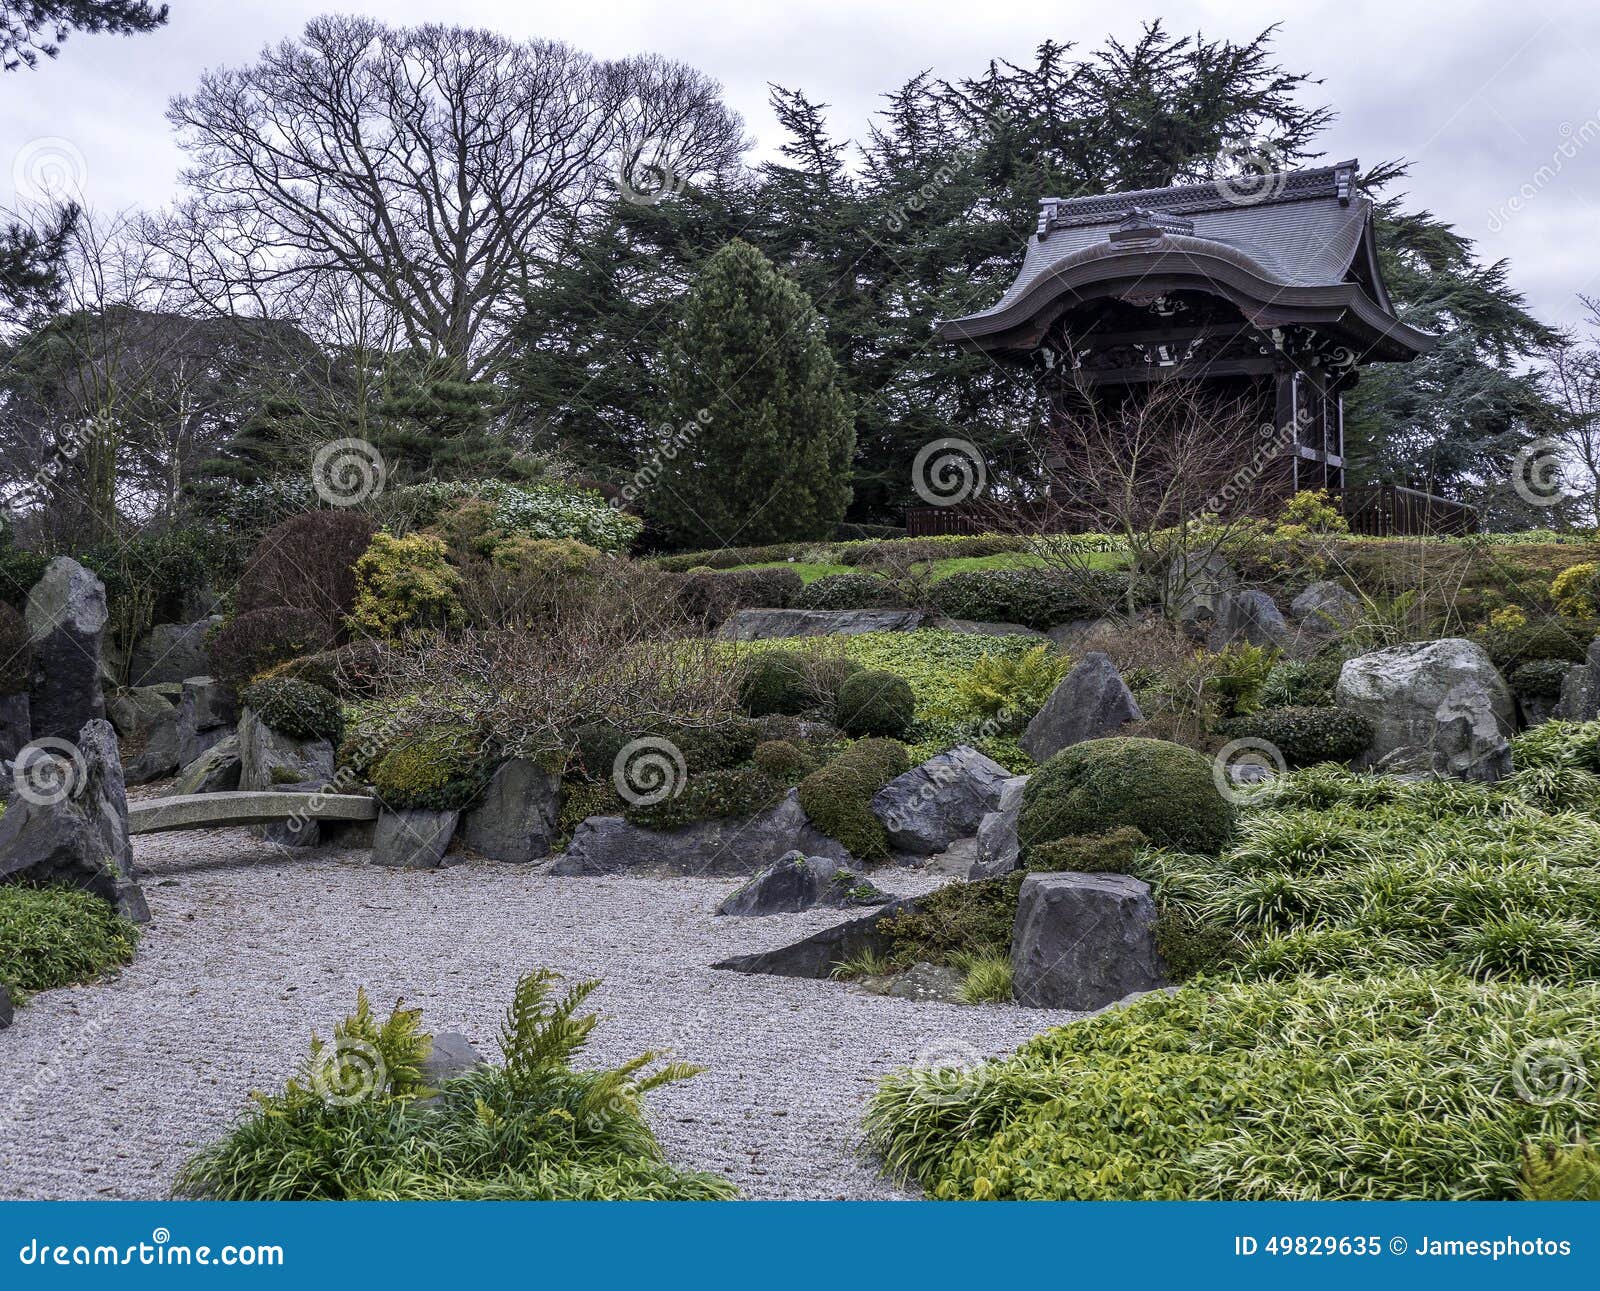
<point x="434" y="169"/>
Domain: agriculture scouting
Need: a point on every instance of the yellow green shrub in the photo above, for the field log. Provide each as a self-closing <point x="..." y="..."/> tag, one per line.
<point x="405" y="583"/>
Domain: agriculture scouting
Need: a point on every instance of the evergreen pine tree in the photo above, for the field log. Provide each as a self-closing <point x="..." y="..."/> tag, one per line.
<point x="758" y="434"/>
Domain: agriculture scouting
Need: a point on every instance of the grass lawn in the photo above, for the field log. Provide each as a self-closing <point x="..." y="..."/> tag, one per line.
<point x="811" y="571"/>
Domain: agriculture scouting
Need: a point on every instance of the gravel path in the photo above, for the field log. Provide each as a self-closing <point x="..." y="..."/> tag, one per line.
<point x="104" y="1089"/>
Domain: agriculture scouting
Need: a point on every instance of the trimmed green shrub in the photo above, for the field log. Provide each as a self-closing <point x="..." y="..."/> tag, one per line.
<point x="1540" y="679"/>
<point x="252" y="643"/>
<point x="1228" y="1093"/>
<point x="539" y="509"/>
<point x="875" y="703"/>
<point x="56" y="936"/>
<point x="959" y="919"/>
<point x="442" y="768"/>
<point x="1542" y="637"/>
<point x="712" y="596"/>
<point x="785" y="762"/>
<point x="711" y="795"/>
<point x="404" y="583"/>
<point x="1164" y="789"/>
<point x="717" y="747"/>
<point x="848" y="592"/>
<point x="837" y="797"/>
<point x="1035" y="598"/>
<point x="1305" y="736"/>
<point x="16" y="651"/>
<point x="302" y="710"/>
<point x="1112" y="852"/>
<point x="353" y="1124"/>
<point x="776" y="681"/>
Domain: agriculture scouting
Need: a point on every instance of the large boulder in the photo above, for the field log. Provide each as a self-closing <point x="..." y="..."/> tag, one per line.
<point x="136" y="711"/>
<point x="1580" y="688"/>
<point x="946" y="798"/>
<point x="798" y="882"/>
<point x="413" y="840"/>
<point x="1195" y="588"/>
<point x="1435" y="706"/>
<point x="207" y="712"/>
<point x="1090" y="701"/>
<point x="818" y="954"/>
<point x="66" y="619"/>
<point x="998" y="849"/>
<point x="763" y="625"/>
<point x="269" y="759"/>
<point x="1325" y="608"/>
<point x="16" y="725"/>
<point x="612" y="845"/>
<point x="171" y="652"/>
<point x="1249" y="616"/>
<point x="68" y="820"/>
<point x="147" y="723"/>
<point x="1082" y="941"/>
<point x="214" y="771"/>
<point x="516" y="818"/>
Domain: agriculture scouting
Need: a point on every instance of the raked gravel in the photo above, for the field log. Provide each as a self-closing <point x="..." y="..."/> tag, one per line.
<point x="105" y="1089"/>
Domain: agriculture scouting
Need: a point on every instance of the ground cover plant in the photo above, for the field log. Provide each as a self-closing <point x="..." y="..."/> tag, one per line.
<point x="358" y="1123"/>
<point x="57" y="936"/>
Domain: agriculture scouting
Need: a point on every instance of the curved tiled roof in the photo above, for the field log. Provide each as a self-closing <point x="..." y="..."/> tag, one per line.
<point x="1284" y="241"/>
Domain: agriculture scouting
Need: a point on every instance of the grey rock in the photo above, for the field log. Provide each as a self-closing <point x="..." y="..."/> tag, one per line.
<point x="6" y="1010"/>
<point x="1195" y="589"/>
<point x="516" y="818"/>
<point x="79" y="834"/>
<point x="1435" y="706"/>
<point x="946" y="798"/>
<point x="451" y="1054"/>
<point x="998" y="848"/>
<point x="1082" y="941"/>
<point x="66" y="619"/>
<point x="763" y="625"/>
<point x="413" y="840"/>
<point x="798" y="882"/>
<point x="1535" y="710"/>
<point x="206" y="715"/>
<point x="138" y="710"/>
<point x="1090" y="701"/>
<point x="171" y="652"/>
<point x="16" y="725"/>
<point x="1325" y="608"/>
<point x="214" y="771"/>
<point x="1580" y="688"/>
<point x="1251" y="616"/>
<point x="271" y="760"/>
<point x="158" y="754"/>
<point x="612" y="845"/>
<point x="972" y="627"/>
<point x="816" y="955"/>
<point x="927" y="982"/>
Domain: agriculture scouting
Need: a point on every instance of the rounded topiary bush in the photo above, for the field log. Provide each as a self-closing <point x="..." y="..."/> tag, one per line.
<point x="261" y="639"/>
<point x="782" y="761"/>
<point x="776" y="681"/>
<point x="1540" y="679"/>
<point x="872" y="702"/>
<point x="838" y="797"/>
<point x="442" y="768"/>
<point x="16" y="651"/>
<point x="1164" y="789"/>
<point x="1306" y="735"/>
<point x="848" y="592"/>
<point x="302" y="710"/>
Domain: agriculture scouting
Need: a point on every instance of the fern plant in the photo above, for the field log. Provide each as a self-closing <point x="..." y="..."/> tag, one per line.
<point x="366" y="1059"/>
<point x="1013" y="685"/>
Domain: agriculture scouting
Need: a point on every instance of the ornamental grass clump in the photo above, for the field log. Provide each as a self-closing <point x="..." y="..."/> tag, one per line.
<point x="357" y="1123"/>
<point x="1297" y="1090"/>
<point x="57" y="936"/>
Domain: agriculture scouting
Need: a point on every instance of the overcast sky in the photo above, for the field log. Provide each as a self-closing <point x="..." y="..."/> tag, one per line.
<point x="1481" y="97"/>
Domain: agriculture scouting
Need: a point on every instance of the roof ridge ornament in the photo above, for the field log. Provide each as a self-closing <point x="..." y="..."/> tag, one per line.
<point x="1141" y="224"/>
